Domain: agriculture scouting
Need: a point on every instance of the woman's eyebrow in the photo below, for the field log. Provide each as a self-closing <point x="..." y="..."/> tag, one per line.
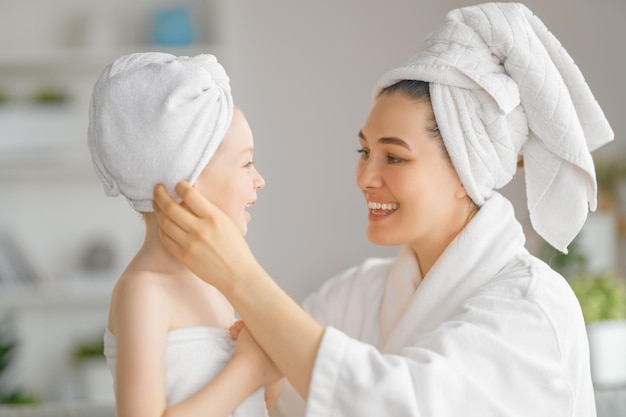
<point x="388" y="141"/>
<point x="393" y="141"/>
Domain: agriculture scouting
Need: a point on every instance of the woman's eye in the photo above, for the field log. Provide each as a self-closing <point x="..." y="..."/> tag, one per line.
<point x="394" y="159"/>
<point x="249" y="165"/>
<point x="364" y="153"/>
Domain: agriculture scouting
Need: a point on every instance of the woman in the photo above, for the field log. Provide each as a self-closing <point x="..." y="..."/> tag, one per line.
<point x="465" y="321"/>
<point x="157" y="117"/>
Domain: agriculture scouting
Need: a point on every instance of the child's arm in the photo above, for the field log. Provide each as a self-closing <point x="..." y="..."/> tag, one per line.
<point x="139" y="317"/>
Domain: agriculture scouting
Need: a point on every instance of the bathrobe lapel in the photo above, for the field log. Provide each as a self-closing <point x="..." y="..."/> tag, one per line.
<point x="471" y="260"/>
<point x="403" y="280"/>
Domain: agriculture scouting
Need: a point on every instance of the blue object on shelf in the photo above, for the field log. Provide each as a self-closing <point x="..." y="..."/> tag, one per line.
<point x="173" y="27"/>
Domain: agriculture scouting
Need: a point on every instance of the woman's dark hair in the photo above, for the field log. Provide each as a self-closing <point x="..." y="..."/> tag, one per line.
<point x="418" y="91"/>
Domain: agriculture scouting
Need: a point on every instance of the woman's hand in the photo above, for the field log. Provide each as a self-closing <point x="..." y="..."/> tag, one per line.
<point x="203" y="237"/>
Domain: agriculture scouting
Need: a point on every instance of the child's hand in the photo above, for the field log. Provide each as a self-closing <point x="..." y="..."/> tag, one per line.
<point x="235" y="329"/>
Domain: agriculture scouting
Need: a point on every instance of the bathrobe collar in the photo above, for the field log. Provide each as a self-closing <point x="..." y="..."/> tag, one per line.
<point x="471" y="260"/>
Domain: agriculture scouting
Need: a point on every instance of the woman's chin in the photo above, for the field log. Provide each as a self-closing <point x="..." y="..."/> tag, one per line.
<point x="382" y="238"/>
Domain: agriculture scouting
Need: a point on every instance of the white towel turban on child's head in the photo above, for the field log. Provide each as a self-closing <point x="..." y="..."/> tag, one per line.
<point x="156" y="118"/>
<point x="503" y="86"/>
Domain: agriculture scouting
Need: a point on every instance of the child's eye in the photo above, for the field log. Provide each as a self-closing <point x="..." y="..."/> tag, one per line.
<point x="249" y="165"/>
<point x="364" y="153"/>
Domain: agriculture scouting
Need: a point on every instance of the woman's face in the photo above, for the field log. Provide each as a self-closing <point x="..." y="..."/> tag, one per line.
<point x="230" y="180"/>
<point x="414" y="195"/>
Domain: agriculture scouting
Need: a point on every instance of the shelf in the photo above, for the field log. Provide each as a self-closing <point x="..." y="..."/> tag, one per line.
<point x="28" y="128"/>
<point x="77" y="291"/>
<point x="76" y="60"/>
<point x="46" y="300"/>
<point x="43" y="140"/>
<point x="59" y="409"/>
<point x="78" y="36"/>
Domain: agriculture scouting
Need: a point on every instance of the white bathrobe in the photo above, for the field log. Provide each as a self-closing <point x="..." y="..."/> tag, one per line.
<point x="490" y="331"/>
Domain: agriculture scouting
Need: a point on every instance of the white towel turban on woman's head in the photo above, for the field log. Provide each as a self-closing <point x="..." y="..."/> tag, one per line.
<point x="503" y="86"/>
<point x="156" y="118"/>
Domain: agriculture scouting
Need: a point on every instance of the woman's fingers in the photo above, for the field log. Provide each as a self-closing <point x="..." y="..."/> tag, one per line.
<point x="195" y="201"/>
<point x="171" y="245"/>
<point x="167" y="209"/>
<point x="202" y="236"/>
<point x="174" y="221"/>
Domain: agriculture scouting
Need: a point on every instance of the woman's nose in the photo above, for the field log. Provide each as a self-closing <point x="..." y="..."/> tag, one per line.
<point x="368" y="175"/>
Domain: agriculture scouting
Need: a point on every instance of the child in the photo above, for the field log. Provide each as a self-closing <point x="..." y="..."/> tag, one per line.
<point x="157" y="118"/>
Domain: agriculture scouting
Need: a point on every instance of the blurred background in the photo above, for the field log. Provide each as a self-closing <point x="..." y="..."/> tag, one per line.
<point x="303" y="73"/>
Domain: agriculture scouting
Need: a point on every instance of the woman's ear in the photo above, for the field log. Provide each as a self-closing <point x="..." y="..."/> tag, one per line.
<point x="460" y="192"/>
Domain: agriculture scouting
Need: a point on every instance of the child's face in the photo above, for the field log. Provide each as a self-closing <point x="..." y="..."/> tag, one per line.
<point x="230" y="180"/>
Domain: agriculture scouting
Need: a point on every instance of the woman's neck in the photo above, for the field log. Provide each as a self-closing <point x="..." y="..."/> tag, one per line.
<point x="428" y="253"/>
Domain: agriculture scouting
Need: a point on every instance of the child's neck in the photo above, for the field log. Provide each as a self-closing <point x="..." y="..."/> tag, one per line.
<point x="153" y="248"/>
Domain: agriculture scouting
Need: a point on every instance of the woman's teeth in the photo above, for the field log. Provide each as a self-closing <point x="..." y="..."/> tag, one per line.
<point x="382" y="206"/>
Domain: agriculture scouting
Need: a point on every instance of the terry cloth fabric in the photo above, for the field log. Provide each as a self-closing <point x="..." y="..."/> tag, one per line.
<point x="156" y="118"/>
<point x="403" y="279"/>
<point x="502" y="86"/>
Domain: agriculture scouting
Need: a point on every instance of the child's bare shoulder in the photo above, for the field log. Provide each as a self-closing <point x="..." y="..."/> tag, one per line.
<point x="137" y="295"/>
<point x="142" y="287"/>
<point x="141" y="279"/>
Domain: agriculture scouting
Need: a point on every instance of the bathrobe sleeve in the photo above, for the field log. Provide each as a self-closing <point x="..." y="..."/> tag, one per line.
<point x="339" y="304"/>
<point x="503" y="353"/>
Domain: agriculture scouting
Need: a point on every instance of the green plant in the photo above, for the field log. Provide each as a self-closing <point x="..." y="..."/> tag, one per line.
<point x="572" y="264"/>
<point x="601" y="297"/>
<point x="608" y="174"/>
<point x="7" y="350"/>
<point x="90" y="349"/>
<point x="48" y="95"/>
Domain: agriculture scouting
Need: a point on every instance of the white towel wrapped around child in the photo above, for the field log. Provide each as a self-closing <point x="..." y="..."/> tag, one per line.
<point x="503" y="86"/>
<point x="156" y="118"/>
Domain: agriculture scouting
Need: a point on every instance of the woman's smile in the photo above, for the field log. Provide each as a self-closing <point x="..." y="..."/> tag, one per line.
<point x="379" y="211"/>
